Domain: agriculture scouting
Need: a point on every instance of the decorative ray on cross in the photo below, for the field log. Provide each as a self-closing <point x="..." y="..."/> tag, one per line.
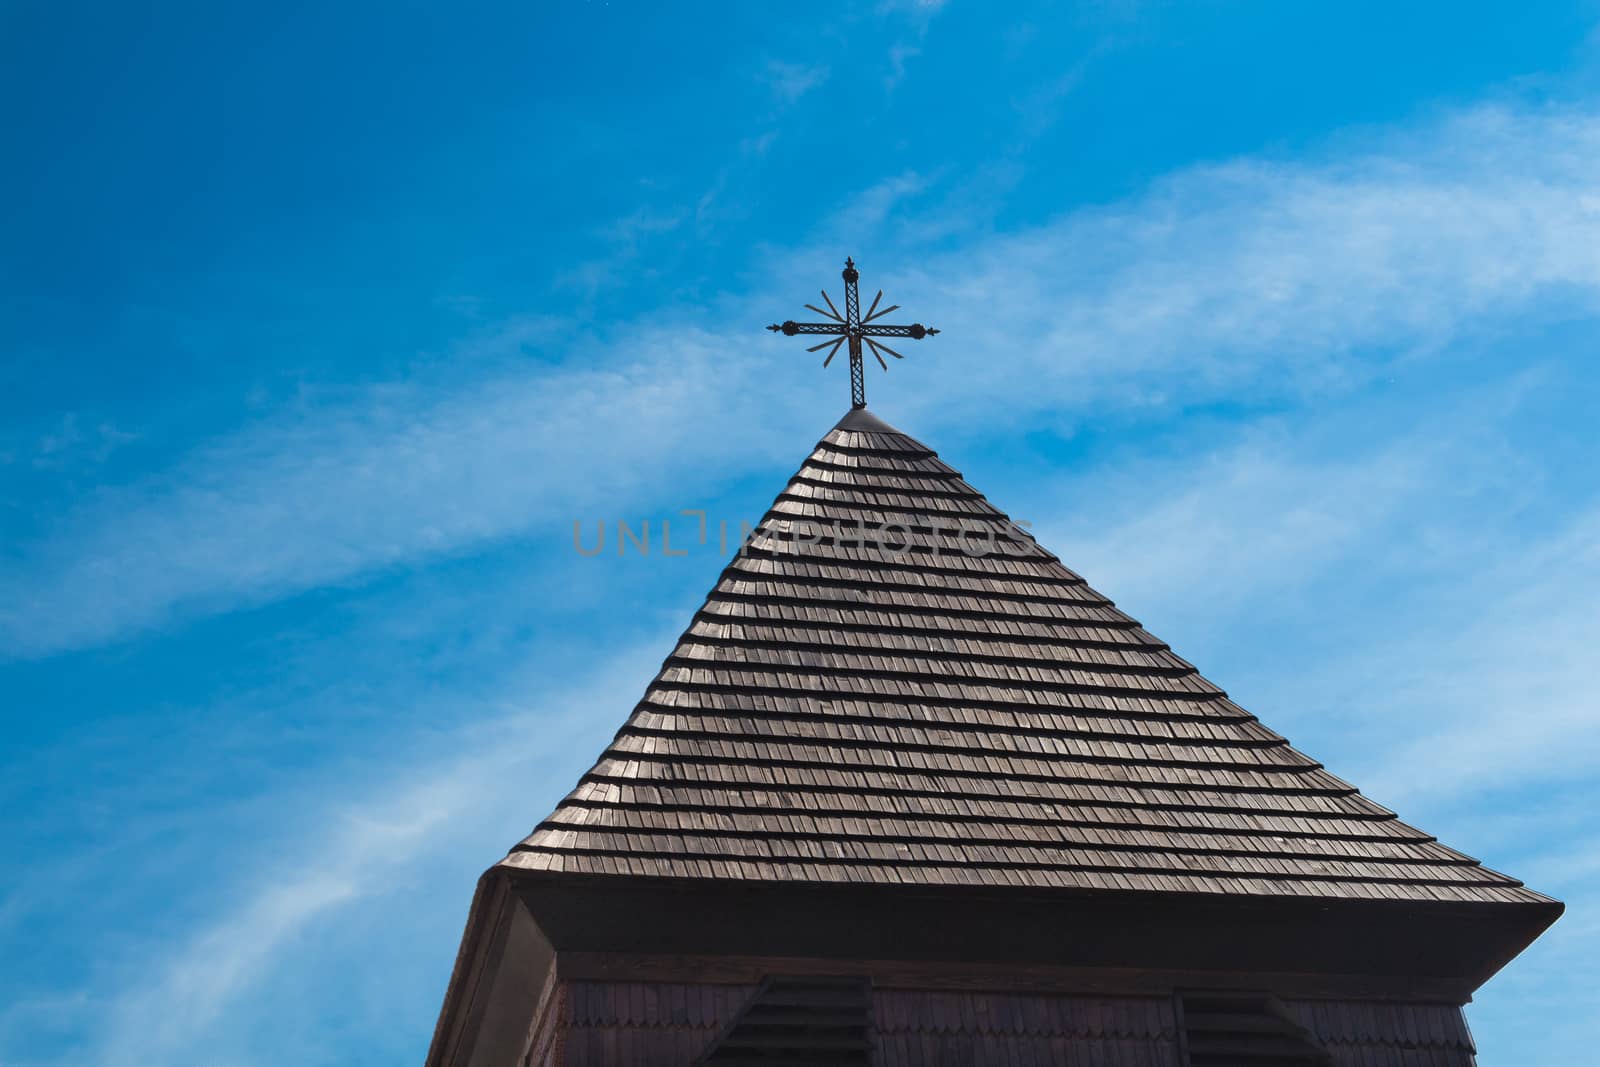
<point x="854" y="329"/>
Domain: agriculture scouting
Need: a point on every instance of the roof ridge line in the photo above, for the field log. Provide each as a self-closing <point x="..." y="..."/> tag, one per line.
<point x="768" y="643"/>
<point x="914" y="746"/>
<point x="814" y="460"/>
<point x="983" y="728"/>
<point x="908" y="587"/>
<point x="963" y="487"/>
<point x="842" y="529"/>
<point x="889" y="560"/>
<point x="572" y="800"/>
<point x="778" y="599"/>
<point x="554" y="822"/>
<point x="1096" y="644"/>
<point x="978" y="862"/>
<point x="703" y="613"/>
<point x="1375" y="814"/>
<point x="1143" y="716"/>
<point x="992" y="515"/>
<point x="662" y="682"/>
<point x="683" y="663"/>
<point x="965" y="521"/>
<point x="669" y="759"/>
<point x="922" y="451"/>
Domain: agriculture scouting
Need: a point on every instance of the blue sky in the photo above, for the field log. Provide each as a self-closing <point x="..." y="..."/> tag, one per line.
<point x="323" y="323"/>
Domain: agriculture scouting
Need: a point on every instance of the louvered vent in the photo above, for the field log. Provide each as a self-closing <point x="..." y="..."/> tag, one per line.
<point x="1245" y="1030"/>
<point x="800" y="1022"/>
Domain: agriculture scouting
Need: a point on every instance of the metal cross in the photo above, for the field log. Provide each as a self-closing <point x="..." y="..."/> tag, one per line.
<point x="854" y="328"/>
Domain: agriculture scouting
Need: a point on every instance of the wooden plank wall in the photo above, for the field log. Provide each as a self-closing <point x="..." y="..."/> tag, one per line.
<point x="657" y="1024"/>
<point x="667" y="1024"/>
<point x="944" y="1029"/>
<point x="638" y="1024"/>
<point x="1380" y="1034"/>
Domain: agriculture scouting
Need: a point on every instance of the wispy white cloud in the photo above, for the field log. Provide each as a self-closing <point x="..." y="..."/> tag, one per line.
<point x="918" y="9"/>
<point x="314" y="497"/>
<point x="1472" y="685"/>
<point x="1255" y="276"/>
<point x="1273" y="504"/>
<point x="1456" y="639"/>
<point x="69" y="443"/>
<point x="625" y="238"/>
<point x="1207" y="535"/>
<point x="918" y="15"/>
<point x="900" y="54"/>
<point x="1258" y="514"/>
<point x="187" y="1000"/>
<point x="1275" y="277"/>
<point x="871" y="210"/>
<point x="643" y="222"/>
<point x="1506" y="696"/>
<point x="790" y="81"/>
<point x="1409" y="602"/>
<point x="758" y="145"/>
<point x="1250" y="279"/>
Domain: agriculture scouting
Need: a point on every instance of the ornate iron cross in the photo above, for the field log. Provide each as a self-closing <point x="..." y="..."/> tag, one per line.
<point x="853" y="328"/>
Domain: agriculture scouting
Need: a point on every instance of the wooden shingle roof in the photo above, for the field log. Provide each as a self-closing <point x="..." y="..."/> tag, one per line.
<point x="891" y="684"/>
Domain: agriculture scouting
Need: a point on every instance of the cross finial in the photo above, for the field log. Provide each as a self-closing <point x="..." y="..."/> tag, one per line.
<point x="854" y="328"/>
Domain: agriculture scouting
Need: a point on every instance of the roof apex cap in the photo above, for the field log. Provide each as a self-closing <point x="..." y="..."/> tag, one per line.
<point x="863" y="420"/>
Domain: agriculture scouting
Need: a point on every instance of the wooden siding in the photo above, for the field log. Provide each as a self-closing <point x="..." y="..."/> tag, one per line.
<point x="638" y="1024"/>
<point x="650" y="1024"/>
<point x="941" y="1029"/>
<point x="1383" y="1034"/>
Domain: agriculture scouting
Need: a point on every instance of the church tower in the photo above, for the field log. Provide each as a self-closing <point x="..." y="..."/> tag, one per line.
<point x="909" y="792"/>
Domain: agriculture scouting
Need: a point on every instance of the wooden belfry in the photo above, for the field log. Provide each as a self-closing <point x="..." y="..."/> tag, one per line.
<point x="908" y="792"/>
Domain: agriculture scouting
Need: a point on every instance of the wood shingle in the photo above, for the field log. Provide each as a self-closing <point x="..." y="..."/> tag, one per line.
<point x="892" y="684"/>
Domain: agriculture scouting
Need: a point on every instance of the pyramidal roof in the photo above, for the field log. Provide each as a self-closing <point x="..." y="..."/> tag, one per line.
<point x="893" y="685"/>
